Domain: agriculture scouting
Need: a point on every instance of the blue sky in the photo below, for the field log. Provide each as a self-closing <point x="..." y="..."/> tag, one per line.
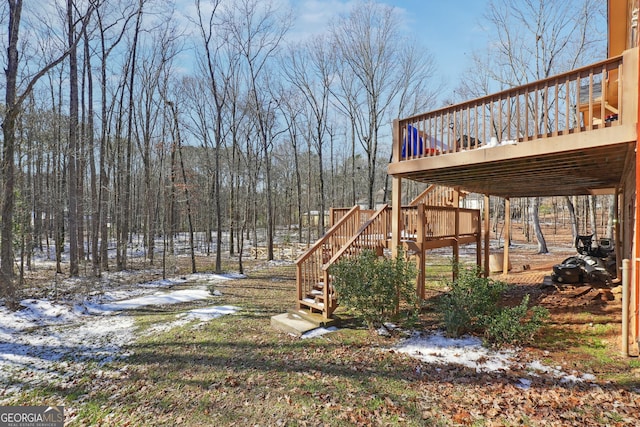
<point x="450" y="30"/>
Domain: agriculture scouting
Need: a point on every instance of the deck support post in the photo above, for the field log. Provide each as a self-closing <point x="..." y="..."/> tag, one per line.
<point x="635" y="289"/>
<point x="485" y="232"/>
<point x="507" y="235"/>
<point x="479" y="245"/>
<point x="635" y="273"/>
<point x="421" y="252"/>
<point x="396" y="193"/>
<point x="626" y="272"/>
<point x="396" y="215"/>
<point x="456" y="244"/>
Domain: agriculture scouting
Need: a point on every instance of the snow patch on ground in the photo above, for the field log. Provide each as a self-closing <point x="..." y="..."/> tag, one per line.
<point x="201" y="315"/>
<point x="160" y="298"/>
<point x="436" y="349"/>
<point x="51" y="341"/>
<point x="317" y="332"/>
<point x="468" y="352"/>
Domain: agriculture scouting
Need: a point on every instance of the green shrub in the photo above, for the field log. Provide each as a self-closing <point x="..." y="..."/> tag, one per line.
<point x="471" y="306"/>
<point x="375" y="287"/>
<point x="470" y="299"/>
<point x="514" y="325"/>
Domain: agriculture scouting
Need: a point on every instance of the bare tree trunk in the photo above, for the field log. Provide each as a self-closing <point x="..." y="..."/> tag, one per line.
<point x="8" y="169"/>
<point x="496" y="215"/>
<point x="59" y="180"/>
<point x="611" y="217"/>
<point x="241" y="239"/>
<point x="217" y="184"/>
<point x="309" y="225"/>
<point x="178" y="143"/>
<point x="542" y="244"/>
<point x="592" y="217"/>
<point x="173" y="214"/>
<point x="321" y="191"/>
<point x="72" y="180"/>
<point x="573" y="219"/>
<point x="95" y="198"/>
<point x="218" y="86"/>
<point x="233" y="223"/>
<point x="126" y="196"/>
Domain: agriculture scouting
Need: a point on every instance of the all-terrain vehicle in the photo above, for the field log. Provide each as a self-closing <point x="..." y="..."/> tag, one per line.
<point x="596" y="263"/>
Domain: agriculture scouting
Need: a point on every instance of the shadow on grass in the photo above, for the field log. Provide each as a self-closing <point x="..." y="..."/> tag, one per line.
<point x="341" y="356"/>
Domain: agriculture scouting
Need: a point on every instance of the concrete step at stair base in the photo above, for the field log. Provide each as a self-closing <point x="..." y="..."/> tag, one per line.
<point x="298" y="322"/>
<point x="294" y="325"/>
<point x="315" y="318"/>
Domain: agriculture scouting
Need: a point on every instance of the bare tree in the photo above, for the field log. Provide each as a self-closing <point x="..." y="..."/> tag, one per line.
<point x="110" y="35"/>
<point x="125" y="188"/>
<point x="73" y="142"/>
<point x="310" y="68"/>
<point x="13" y="104"/>
<point x="371" y="48"/>
<point x="257" y="30"/>
<point x="236" y="120"/>
<point x="154" y="71"/>
<point x="291" y="113"/>
<point x="178" y="143"/>
<point x="219" y="64"/>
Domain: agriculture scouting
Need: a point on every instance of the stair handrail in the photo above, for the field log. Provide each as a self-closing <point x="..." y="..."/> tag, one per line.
<point x="442" y="199"/>
<point x="418" y="199"/>
<point x="353" y="211"/>
<point x="329" y="301"/>
<point x="360" y="233"/>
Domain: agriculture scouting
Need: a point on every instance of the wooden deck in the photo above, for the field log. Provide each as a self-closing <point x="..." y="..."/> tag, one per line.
<point x="570" y="134"/>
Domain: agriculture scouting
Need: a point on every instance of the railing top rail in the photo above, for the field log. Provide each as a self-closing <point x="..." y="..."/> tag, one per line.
<point x="470" y="210"/>
<point x="609" y="63"/>
<point x="353" y="211"/>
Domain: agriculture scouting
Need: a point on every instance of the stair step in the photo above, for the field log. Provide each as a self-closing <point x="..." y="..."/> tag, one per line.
<point x="312" y="303"/>
<point x="320" y="288"/>
<point x="314" y="318"/>
<point x="317" y="298"/>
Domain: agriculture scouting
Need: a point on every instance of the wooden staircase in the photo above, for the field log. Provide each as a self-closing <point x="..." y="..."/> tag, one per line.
<point x="354" y="230"/>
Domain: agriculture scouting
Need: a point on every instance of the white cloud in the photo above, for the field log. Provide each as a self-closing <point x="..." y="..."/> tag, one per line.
<point x="313" y="17"/>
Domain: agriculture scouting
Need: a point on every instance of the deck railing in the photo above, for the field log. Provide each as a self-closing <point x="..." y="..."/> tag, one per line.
<point x="440" y="222"/>
<point x="349" y="237"/>
<point x="580" y="100"/>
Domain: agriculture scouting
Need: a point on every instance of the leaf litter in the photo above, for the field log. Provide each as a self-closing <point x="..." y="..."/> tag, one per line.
<point x="48" y="342"/>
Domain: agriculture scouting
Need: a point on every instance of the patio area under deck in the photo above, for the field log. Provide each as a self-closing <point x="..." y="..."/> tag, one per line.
<point x="571" y="134"/>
